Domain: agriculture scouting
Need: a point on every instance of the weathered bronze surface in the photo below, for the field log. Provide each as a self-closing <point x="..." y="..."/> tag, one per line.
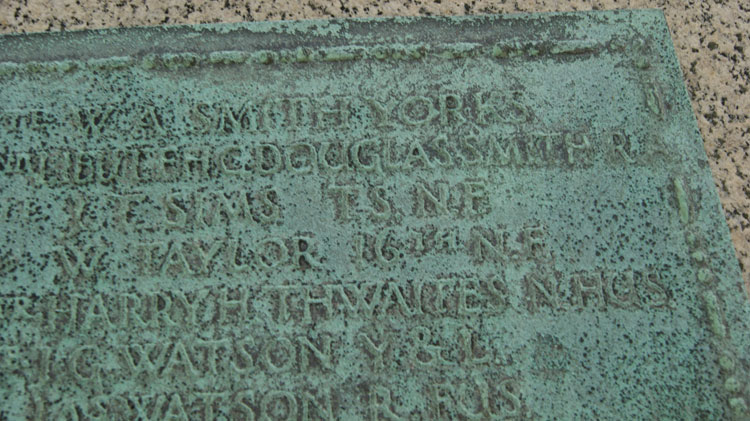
<point x="491" y="217"/>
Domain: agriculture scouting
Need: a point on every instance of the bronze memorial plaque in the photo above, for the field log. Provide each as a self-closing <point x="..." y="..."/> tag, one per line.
<point x="475" y="218"/>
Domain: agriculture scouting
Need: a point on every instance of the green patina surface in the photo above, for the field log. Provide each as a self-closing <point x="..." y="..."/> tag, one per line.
<point x="491" y="217"/>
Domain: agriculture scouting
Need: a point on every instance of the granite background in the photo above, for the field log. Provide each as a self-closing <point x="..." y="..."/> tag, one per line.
<point x="711" y="38"/>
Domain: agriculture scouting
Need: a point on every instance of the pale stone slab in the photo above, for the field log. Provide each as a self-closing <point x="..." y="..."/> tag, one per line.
<point x="434" y="218"/>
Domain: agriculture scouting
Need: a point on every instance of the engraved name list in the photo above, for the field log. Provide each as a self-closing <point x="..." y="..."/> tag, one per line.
<point x="410" y="230"/>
